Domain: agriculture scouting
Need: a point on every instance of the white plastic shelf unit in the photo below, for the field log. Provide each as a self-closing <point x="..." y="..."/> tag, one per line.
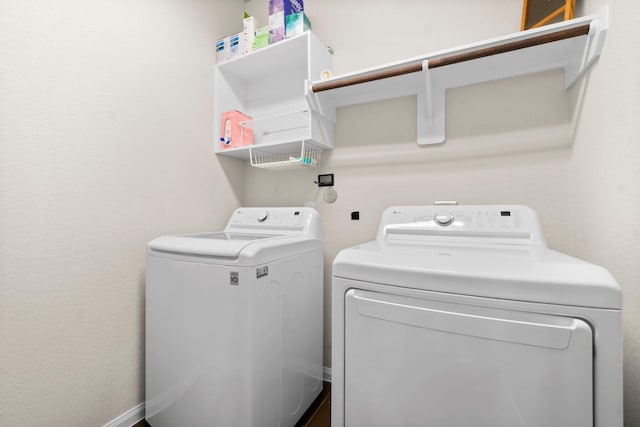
<point x="270" y="85"/>
<point x="571" y="45"/>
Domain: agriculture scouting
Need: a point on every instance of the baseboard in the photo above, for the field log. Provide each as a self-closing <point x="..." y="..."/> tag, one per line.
<point x="136" y="414"/>
<point x="326" y="374"/>
<point x="129" y="418"/>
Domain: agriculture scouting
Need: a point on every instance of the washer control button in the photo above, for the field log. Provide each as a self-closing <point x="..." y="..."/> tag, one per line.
<point x="443" y="219"/>
<point x="262" y="216"/>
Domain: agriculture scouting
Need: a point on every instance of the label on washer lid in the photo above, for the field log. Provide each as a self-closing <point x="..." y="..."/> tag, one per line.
<point x="262" y="271"/>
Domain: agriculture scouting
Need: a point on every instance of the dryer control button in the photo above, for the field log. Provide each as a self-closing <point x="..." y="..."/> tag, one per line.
<point x="443" y="219"/>
<point x="262" y="216"/>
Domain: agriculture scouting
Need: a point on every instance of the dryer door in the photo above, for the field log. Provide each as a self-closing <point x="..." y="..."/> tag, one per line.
<point x="411" y="362"/>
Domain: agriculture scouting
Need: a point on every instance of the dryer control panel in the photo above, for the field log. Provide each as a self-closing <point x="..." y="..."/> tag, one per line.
<point x="512" y="224"/>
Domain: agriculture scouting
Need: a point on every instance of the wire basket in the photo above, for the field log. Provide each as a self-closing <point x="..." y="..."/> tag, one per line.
<point x="307" y="156"/>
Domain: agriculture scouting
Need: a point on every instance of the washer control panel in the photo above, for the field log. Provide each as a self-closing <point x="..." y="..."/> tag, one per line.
<point x="275" y="220"/>
<point x="268" y="217"/>
<point x="498" y="223"/>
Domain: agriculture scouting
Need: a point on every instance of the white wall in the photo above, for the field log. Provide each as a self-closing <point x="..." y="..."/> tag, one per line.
<point x="571" y="155"/>
<point x="106" y="124"/>
<point x="605" y="178"/>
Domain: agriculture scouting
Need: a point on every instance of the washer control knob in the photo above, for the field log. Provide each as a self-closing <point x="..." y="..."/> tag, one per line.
<point x="443" y="219"/>
<point x="262" y="216"/>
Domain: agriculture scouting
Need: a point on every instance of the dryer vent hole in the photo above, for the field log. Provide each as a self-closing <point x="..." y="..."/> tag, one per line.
<point x="355" y="216"/>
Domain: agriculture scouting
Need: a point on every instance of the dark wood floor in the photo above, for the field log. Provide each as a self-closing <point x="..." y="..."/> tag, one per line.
<point x="318" y="415"/>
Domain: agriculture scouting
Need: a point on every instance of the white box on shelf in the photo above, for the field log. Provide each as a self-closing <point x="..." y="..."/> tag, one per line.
<point x="276" y="21"/>
<point x="250" y="25"/>
<point x="236" y="45"/>
<point x="222" y="50"/>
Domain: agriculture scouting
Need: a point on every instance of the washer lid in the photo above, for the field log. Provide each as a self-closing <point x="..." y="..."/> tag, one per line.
<point x="221" y="244"/>
<point x="522" y="273"/>
<point x="232" y="248"/>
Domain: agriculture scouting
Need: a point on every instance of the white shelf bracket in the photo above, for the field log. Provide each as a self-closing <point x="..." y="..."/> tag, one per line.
<point x="428" y="93"/>
<point x="326" y="108"/>
<point x="312" y="102"/>
<point x="597" y="33"/>
<point x="430" y="111"/>
<point x="593" y="47"/>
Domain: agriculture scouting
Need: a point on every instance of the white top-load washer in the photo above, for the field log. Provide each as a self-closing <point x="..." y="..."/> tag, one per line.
<point x="234" y="322"/>
<point x="459" y="316"/>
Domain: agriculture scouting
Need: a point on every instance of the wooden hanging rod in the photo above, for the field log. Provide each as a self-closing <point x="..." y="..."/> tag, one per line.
<point x="453" y="59"/>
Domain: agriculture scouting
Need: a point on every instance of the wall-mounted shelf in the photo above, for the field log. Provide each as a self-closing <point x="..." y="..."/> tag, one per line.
<point x="270" y="85"/>
<point x="571" y="45"/>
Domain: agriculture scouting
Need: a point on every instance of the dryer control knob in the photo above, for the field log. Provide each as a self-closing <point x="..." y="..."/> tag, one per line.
<point x="443" y="219"/>
<point x="262" y="216"/>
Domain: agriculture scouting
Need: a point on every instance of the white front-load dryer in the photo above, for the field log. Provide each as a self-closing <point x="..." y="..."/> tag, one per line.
<point x="234" y="322"/>
<point x="460" y="316"/>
